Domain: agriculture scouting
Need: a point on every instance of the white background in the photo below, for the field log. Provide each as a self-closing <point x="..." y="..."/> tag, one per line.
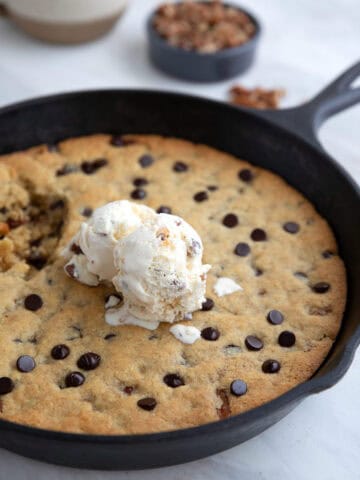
<point x="305" y="44"/>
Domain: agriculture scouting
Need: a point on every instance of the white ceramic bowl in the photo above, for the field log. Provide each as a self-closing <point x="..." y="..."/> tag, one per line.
<point x="65" y="21"/>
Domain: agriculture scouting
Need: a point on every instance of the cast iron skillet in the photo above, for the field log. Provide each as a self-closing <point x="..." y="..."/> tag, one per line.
<point x="283" y="141"/>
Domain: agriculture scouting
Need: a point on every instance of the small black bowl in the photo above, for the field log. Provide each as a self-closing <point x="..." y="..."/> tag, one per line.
<point x="202" y="67"/>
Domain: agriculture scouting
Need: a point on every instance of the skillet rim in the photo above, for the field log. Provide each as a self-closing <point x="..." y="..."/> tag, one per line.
<point x="315" y="384"/>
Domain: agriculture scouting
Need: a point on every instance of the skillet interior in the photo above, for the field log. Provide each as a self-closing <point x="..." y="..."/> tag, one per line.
<point x="244" y="134"/>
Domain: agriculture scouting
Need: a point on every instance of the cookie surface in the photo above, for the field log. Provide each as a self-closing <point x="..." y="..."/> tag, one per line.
<point x="256" y="230"/>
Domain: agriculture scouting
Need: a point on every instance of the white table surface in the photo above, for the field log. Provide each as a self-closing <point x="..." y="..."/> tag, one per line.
<point x="305" y="44"/>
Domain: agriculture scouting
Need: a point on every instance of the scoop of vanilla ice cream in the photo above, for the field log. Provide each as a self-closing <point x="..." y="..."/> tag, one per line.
<point x="160" y="271"/>
<point x="153" y="260"/>
<point x="98" y="237"/>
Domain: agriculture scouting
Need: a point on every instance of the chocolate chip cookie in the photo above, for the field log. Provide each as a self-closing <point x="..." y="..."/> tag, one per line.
<point x="63" y="368"/>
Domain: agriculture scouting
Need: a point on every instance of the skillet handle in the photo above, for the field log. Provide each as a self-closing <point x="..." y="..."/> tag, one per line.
<point x="306" y="119"/>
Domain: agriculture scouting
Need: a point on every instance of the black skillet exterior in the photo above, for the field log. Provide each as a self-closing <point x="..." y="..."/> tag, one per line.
<point x="202" y="67"/>
<point x="258" y="137"/>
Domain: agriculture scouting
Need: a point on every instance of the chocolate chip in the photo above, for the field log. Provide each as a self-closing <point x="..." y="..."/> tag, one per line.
<point x="15" y="223"/>
<point x="99" y="163"/>
<point x="286" y="339"/>
<point x="57" y="204"/>
<point x="140" y="182"/>
<point x="327" y="254"/>
<point x="74" y="379"/>
<point x="146" y="160"/>
<point x="128" y="390"/>
<point x="138" y="194"/>
<point x="258" y="235"/>
<point x="25" y="363"/>
<point x="291" y="227"/>
<point x="36" y="260"/>
<point x="271" y="366"/>
<point x="242" y="249"/>
<point x="147" y="403"/>
<point x="3" y="210"/>
<point x="33" y="302"/>
<point x="210" y="334"/>
<point x="207" y="305"/>
<point x="253" y="343"/>
<point x="59" y="352"/>
<point x="201" y="196"/>
<point x="70" y="270"/>
<point x="180" y="167"/>
<point x="321" y="287"/>
<point x="275" y="317"/>
<point x="173" y="380"/>
<point x="246" y="175"/>
<point x="164" y="209"/>
<point x="76" y="249"/>
<point x="258" y="272"/>
<point x="109" y="336"/>
<point x="230" y="220"/>
<point x="238" y="388"/>
<point x="6" y="385"/>
<point x="87" y="212"/>
<point x="212" y="188"/>
<point x="91" y="167"/>
<point x="89" y="361"/>
<point x="117" y="141"/>
<point x="66" y="169"/>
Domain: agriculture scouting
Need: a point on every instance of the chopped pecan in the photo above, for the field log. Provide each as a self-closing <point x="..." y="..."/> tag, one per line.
<point x="256" y="97"/>
<point x="203" y="26"/>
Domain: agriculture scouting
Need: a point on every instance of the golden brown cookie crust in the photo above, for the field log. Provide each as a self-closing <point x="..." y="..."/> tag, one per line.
<point x="73" y="314"/>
